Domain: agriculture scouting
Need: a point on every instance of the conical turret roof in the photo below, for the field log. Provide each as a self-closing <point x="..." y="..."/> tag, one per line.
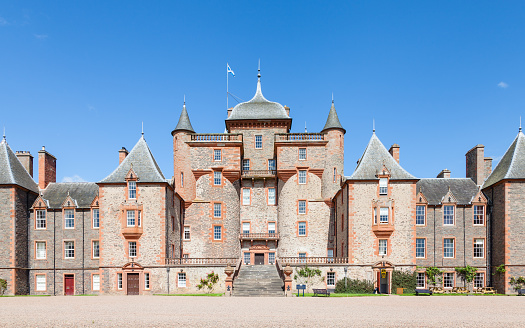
<point x="12" y="172"/>
<point x="511" y="165"/>
<point x="184" y="123"/>
<point x="332" y="122"/>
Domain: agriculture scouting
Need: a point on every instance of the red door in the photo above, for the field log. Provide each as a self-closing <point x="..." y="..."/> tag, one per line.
<point x="69" y="284"/>
<point x="133" y="284"/>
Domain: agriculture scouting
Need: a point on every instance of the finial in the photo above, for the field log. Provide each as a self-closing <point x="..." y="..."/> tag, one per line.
<point x="332" y="97"/>
<point x="519" y="131"/>
<point x="305" y="131"/>
<point x="259" y="69"/>
<point x="184" y="100"/>
<point x="142" y="127"/>
<point x="373" y="125"/>
<point x="4" y="132"/>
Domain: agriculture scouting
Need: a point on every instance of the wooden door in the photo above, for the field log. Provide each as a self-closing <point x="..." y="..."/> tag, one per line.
<point x="383" y="282"/>
<point x="133" y="283"/>
<point x="69" y="284"/>
<point x="259" y="258"/>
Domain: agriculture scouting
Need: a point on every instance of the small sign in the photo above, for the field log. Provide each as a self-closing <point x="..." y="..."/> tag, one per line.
<point x="383" y="273"/>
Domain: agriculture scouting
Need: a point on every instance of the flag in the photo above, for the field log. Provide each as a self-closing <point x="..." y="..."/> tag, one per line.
<point x="229" y="70"/>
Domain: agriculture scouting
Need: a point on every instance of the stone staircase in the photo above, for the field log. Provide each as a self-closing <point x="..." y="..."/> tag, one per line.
<point x="258" y="281"/>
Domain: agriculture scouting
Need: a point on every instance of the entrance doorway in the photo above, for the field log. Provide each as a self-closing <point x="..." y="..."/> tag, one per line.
<point x="133" y="284"/>
<point x="69" y="284"/>
<point x="259" y="259"/>
<point x="383" y="281"/>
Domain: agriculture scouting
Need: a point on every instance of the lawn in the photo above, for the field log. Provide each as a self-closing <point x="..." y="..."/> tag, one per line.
<point x="339" y="295"/>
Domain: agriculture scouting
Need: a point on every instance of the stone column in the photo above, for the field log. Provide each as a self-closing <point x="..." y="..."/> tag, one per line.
<point x="229" y="279"/>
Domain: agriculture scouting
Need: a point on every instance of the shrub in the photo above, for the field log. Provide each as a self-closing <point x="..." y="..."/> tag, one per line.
<point x="354" y="286"/>
<point x="3" y="286"/>
<point x="403" y="279"/>
<point x="209" y="282"/>
<point x="517" y="283"/>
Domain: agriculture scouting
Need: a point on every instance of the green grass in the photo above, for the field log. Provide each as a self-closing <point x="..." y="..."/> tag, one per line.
<point x="211" y="295"/>
<point x="450" y="294"/>
<point x="24" y="295"/>
<point x="339" y="295"/>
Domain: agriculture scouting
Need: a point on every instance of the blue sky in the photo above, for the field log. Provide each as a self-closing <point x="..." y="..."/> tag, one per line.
<point x="438" y="77"/>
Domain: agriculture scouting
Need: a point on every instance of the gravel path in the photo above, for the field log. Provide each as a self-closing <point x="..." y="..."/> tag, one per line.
<point x="169" y="311"/>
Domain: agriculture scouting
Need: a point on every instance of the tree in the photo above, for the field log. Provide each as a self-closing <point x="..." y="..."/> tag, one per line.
<point x="3" y="286"/>
<point x="468" y="274"/>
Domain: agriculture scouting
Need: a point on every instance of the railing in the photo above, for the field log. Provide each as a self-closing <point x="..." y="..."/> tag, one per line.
<point x="202" y="261"/>
<point x="299" y="136"/>
<point x="217" y="137"/>
<point x="259" y="235"/>
<point x="313" y="260"/>
<point x="258" y="173"/>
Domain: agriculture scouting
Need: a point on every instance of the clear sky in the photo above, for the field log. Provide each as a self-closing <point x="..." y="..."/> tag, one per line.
<point x="439" y="77"/>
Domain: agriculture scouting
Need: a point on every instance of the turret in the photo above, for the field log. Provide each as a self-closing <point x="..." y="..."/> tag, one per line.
<point x="333" y="172"/>
<point x="184" y="179"/>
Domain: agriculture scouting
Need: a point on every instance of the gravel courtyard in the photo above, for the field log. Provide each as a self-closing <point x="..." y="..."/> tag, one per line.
<point x="169" y="311"/>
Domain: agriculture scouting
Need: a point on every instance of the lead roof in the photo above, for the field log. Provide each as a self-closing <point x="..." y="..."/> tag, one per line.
<point x="184" y="123"/>
<point x="82" y="193"/>
<point x="464" y="189"/>
<point x="12" y="172"/>
<point x="332" y="122"/>
<point x="511" y="165"/>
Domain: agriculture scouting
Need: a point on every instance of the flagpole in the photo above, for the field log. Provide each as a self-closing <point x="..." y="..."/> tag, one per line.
<point x="226" y="86"/>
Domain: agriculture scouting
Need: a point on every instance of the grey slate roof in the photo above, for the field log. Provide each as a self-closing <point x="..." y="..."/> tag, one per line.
<point x="435" y="189"/>
<point x="12" y="171"/>
<point x="82" y="193"/>
<point x="512" y="164"/>
<point x="258" y="108"/>
<point x="144" y="166"/>
<point x="184" y="121"/>
<point x="332" y="122"/>
<point x="372" y="161"/>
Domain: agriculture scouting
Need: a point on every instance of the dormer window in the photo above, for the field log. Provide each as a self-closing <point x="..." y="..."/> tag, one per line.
<point x="383" y="186"/>
<point x="448" y="215"/>
<point x="132" y="189"/>
<point x="69" y="219"/>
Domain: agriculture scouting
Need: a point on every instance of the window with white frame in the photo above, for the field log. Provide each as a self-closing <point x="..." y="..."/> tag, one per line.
<point x="302" y="255"/>
<point x="302" y="228"/>
<point x="271" y="196"/>
<point x="271" y="164"/>
<point x="187" y="233"/>
<point x="246" y="227"/>
<point x="181" y="281"/>
<point x="217" y="232"/>
<point x="375" y="218"/>
<point x="383" y="247"/>
<point x="479" y="280"/>
<point x="146" y="280"/>
<point x="420" y="248"/>
<point x="69" y="249"/>
<point x="271" y="258"/>
<point x="96" y="218"/>
<point x="139" y="218"/>
<point x="41" y="250"/>
<point x="217" y="177"/>
<point x="479" y="215"/>
<point x="217" y="210"/>
<point x="448" y="247"/>
<point x="132" y="249"/>
<point x="132" y="189"/>
<point x="40" y="282"/>
<point x="186" y="256"/>
<point x="246" y="164"/>
<point x="217" y="155"/>
<point x="258" y="142"/>
<point x="302" y="176"/>
<point x="96" y="282"/>
<point x="271" y="227"/>
<point x="420" y="215"/>
<point x="182" y="179"/>
<point x="448" y="215"/>
<point x="302" y="207"/>
<point x="479" y="247"/>
<point x="330" y="253"/>
<point x="247" y="258"/>
<point x="383" y="215"/>
<point x="330" y="278"/>
<point x="302" y="154"/>
<point x="119" y="280"/>
<point x="335" y="174"/>
<point x="420" y="280"/>
<point x="96" y="249"/>
<point x="130" y="218"/>
<point x="448" y="279"/>
<point x="246" y="193"/>
<point x="41" y="219"/>
<point x="69" y="219"/>
<point x="383" y="186"/>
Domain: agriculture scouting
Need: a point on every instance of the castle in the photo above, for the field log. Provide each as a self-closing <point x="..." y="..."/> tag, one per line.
<point x="257" y="195"/>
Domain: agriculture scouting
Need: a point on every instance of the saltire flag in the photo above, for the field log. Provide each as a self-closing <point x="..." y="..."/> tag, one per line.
<point x="229" y="70"/>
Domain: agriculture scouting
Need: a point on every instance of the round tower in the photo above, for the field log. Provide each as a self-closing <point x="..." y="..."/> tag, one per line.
<point x="335" y="151"/>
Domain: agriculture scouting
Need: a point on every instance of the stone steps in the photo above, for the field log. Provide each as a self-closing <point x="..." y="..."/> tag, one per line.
<point x="258" y="281"/>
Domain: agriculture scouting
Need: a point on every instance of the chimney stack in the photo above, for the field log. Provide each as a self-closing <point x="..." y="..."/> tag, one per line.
<point x="488" y="166"/>
<point x="477" y="164"/>
<point x="445" y="174"/>
<point x="47" y="168"/>
<point x="26" y="159"/>
<point x="394" y="151"/>
<point x="230" y="111"/>
<point x="122" y="154"/>
<point x="287" y="109"/>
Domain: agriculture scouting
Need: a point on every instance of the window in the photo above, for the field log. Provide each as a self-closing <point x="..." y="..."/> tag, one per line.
<point x="187" y="233"/>
<point x="40" y="219"/>
<point x="130" y="218"/>
<point x="302" y="255"/>
<point x="246" y="258"/>
<point x="40" y="282"/>
<point x="132" y="189"/>
<point x="146" y="280"/>
<point x="246" y="227"/>
<point x="420" y="280"/>
<point x="302" y="207"/>
<point x="132" y="248"/>
<point x="448" y="247"/>
<point x="335" y="174"/>
<point x="96" y="218"/>
<point x="479" y="247"/>
<point x="302" y="228"/>
<point x="217" y="232"/>
<point x="258" y="142"/>
<point x="375" y="218"/>
<point x="302" y="154"/>
<point x="217" y="210"/>
<point x="96" y="282"/>
<point x="181" y="281"/>
<point x="383" y="215"/>
<point x="383" y="246"/>
<point x="182" y="179"/>
<point x="96" y="249"/>
<point x="448" y="279"/>
<point x="271" y="196"/>
<point x="69" y="249"/>
<point x="330" y="278"/>
<point x="330" y="253"/>
<point x="217" y="178"/>
<point x="420" y="215"/>
<point x="479" y="280"/>
<point x="217" y="155"/>
<point x="271" y="227"/>
<point x="119" y="280"/>
<point x="302" y="176"/>
<point x="448" y="215"/>
<point x="69" y="216"/>
<point x="139" y="221"/>
<point x="245" y="164"/>
<point x="41" y="250"/>
<point x="383" y="186"/>
<point x="479" y="215"/>
<point x="246" y="196"/>
<point x="420" y="247"/>
<point x="271" y="164"/>
<point x="271" y="258"/>
<point x="185" y="256"/>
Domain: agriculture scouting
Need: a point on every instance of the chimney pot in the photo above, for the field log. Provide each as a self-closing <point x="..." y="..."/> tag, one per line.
<point x="122" y="155"/>
<point x="445" y="174"/>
